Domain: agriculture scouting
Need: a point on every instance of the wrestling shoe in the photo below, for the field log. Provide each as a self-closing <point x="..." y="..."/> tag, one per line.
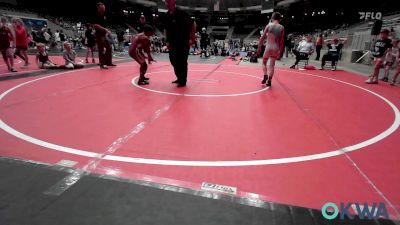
<point x="142" y="82"/>
<point x="264" y="81"/>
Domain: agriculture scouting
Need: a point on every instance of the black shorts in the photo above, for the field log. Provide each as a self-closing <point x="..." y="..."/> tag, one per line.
<point x="91" y="44"/>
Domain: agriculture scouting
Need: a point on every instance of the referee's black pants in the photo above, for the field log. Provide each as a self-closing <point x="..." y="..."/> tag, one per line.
<point x="105" y="51"/>
<point x="178" y="58"/>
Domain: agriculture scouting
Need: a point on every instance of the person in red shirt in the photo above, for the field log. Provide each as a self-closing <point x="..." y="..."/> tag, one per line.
<point x="21" y="40"/>
<point x="140" y="44"/>
<point x="103" y="43"/>
<point x="318" y="45"/>
<point x="5" y="40"/>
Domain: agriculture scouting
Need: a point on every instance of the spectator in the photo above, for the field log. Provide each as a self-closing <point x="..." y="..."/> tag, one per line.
<point x="90" y="42"/>
<point x="379" y="52"/>
<point x="333" y="52"/>
<point x="390" y="59"/>
<point x="103" y="43"/>
<point x="204" y="42"/>
<point x="288" y="45"/>
<point x="46" y="36"/>
<point x="62" y="36"/>
<point x="42" y="58"/>
<point x="69" y="56"/>
<point x="51" y="40"/>
<point x="5" y="44"/>
<point x="120" y="39"/>
<point x="21" y="41"/>
<point x="303" y="51"/>
<point x="396" y="48"/>
<point x="34" y="36"/>
<point x="318" y="44"/>
<point x="57" y="38"/>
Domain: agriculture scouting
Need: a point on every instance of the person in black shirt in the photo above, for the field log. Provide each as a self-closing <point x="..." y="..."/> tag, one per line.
<point x="333" y="52"/>
<point x="381" y="47"/>
<point x="90" y="42"/>
<point x="180" y="33"/>
<point x="204" y="42"/>
<point x="103" y="45"/>
<point x="288" y="45"/>
<point x="62" y="36"/>
<point x="120" y="38"/>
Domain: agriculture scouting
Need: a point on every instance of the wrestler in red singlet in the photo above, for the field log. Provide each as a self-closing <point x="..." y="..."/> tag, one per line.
<point x="140" y="44"/>
<point x="275" y="34"/>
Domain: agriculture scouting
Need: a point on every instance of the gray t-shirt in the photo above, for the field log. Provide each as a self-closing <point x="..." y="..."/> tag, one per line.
<point x="69" y="57"/>
<point x="305" y="47"/>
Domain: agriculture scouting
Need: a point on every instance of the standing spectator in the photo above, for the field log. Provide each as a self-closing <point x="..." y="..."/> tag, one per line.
<point x="288" y="45"/>
<point x="46" y="36"/>
<point x="120" y="39"/>
<point x="34" y="36"/>
<point x="90" y="42"/>
<point x="49" y="32"/>
<point x="204" y="42"/>
<point x="103" y="44"/>
<point x="381" y="47"/>
<point x="21" y="41"/>
<point x="51" y="40"/>
<point x="396" y="48"/>
<point x="62" y="36"/>
<point x="57" y="39"/>
<point x="390" y="59"/>
<point x="318" y="44"/>
<point x="303" y="51"/>
<point x="142" y="22"/>
<point x="180" y="34"/>
<point x="5" y="44"/>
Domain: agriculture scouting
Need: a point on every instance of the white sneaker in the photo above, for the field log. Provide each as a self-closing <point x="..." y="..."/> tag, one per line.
<point x="370" y="81"/>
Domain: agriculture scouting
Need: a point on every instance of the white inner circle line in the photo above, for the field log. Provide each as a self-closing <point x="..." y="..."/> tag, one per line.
<point x="337" y="152"/>
<point x="201" y="95"/>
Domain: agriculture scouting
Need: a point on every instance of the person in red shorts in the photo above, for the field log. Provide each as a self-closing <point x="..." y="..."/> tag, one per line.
<point x="5" y="41"/>
<point x="21" y="40"/>
<point x="140" y="44"/>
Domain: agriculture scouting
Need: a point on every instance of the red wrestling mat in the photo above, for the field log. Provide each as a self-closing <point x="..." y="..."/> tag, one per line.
<point x="314" y="137"/>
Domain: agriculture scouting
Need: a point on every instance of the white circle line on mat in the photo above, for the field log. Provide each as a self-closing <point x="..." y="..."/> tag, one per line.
<point x="200" y="95"/>
<point x="379" y="137"/>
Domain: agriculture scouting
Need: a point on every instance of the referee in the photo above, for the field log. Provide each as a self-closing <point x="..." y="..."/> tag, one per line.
<point x="103" y="44"/>
<point x="180" y="32"/>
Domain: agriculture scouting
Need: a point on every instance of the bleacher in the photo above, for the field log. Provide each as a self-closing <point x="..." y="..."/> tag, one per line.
<point x="359" y="36"/>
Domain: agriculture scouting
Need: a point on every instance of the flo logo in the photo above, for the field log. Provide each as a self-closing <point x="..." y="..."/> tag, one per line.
<point x="370" y="15"/>
<point x="364" y="211"/>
